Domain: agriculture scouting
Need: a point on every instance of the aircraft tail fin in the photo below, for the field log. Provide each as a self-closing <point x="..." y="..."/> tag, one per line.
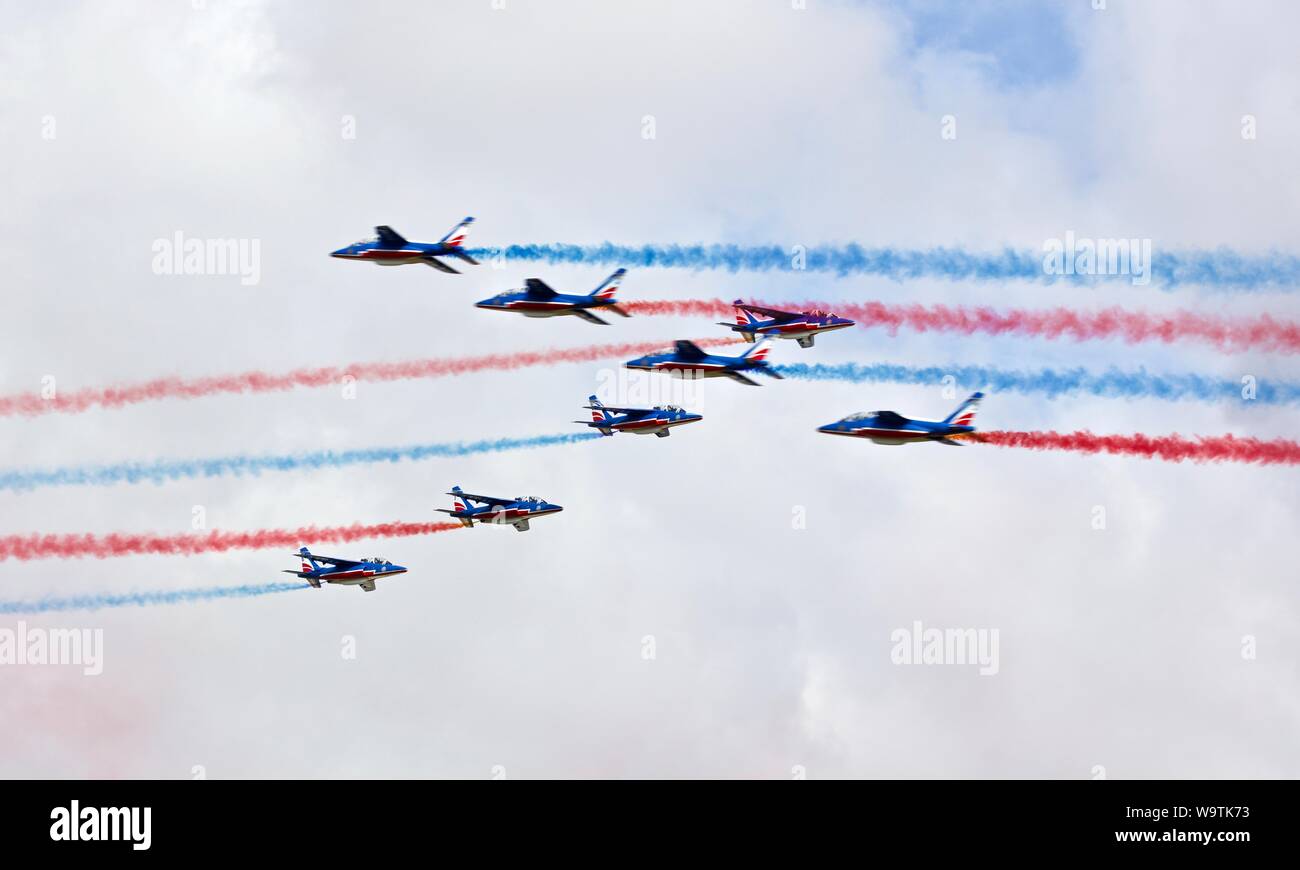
<point x="458" y="503"/>
<point x="599" y="416"/>
<point x="759" y="352"/>
<point x="609" y="286"/>
<point x="598" y="412"/>
<point x="456" y="237"/>
<point x="965" y="413"/>
<point x="743" y="317"/>
<point x="308" y="563"/>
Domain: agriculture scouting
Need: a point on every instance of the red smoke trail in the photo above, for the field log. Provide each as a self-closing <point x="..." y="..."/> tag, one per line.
<point x="29" y="404"/>
<point x="1171" y="448"/>
<point x="1224" y="333"/>
<point x="36" y="546"/>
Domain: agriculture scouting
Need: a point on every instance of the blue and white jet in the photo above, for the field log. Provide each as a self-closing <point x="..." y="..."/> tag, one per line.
<point x="537" y="299"/>
<point x="344" y="572"/>
<point x="658" y="420"/>
<point x="388" y="248"/>
<point x="803" y="326"/>
<point x="688" y="360"/>
<point x="886" y="427"/>
<point x="499" y="511"/>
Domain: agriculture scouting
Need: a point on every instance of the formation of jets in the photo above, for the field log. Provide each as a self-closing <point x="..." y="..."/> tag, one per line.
<point x="755" y="323"/>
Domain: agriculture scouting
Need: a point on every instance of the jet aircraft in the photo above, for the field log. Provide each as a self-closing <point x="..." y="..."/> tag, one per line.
<point x="887" y="427"/>
<point x="803" y="326"/>
<point x="512" y="511"/>
<point x="688" y="360"/>
<point x="388" y="248"/>
<point x="537" y="299"/>
<point x="658" y="420"/>
<point x="345" y="572"/>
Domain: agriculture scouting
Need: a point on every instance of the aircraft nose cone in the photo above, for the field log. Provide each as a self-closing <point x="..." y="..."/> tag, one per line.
<point x="829" y="427"/>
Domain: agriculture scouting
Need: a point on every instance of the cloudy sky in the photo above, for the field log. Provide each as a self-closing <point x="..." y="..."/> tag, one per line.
<point x="677" y="619"/>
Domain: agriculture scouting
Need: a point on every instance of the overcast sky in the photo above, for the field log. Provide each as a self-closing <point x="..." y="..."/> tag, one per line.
<point x="524" y="655"/>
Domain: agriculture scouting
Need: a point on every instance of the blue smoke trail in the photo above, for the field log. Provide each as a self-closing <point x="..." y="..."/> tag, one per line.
<point x="1220" y="268"/>
<point x="1110" y="384"/>
<point x="145" y="599"/>
<point x="164" y="470"/>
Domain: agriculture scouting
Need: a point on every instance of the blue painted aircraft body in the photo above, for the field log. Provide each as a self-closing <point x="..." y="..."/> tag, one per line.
<point x="887" y="427"/>
<point x="658" y="420"/>
<point x="498" y="511"/>
<point x="388" y="248"/>
<point x="537" y="299"/>
<point x="803" y="326"/>
<point x="344" y="572"/>
<point x="688" y="360"/>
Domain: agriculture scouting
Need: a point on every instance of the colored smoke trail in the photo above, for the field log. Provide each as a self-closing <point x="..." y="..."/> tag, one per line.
<point x="74" y="546"/>
<point x="1228" y="334"/>
<point x="1110" y="384"/>
<point x="1171" y="448"/>
<point x="73" y="402"/>
<point x="146" y="599"/>
<point x="1220" y="268"/>
<point x="164" y="470"/>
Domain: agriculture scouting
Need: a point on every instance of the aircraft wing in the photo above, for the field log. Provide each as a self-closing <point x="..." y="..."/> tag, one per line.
<point x="635" y="412"/>
<point x="737" y="376"/>
<point x="539" y="289"/>
<point x="589" y="317"/>
<point x="331" y="560"/>
<point x="949" y="443"/>
<point x="389" y="237"/>
<point x="781" y="316"/>
<point x="689" y="350"/>
<point x="483" y="499"/>
<point x="439" y="265"/>
<point x="367" y="585"/>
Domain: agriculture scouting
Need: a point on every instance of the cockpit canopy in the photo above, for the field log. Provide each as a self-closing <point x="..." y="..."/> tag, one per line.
<point x="667" y="408"/>
<point x="884" y="418"/>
